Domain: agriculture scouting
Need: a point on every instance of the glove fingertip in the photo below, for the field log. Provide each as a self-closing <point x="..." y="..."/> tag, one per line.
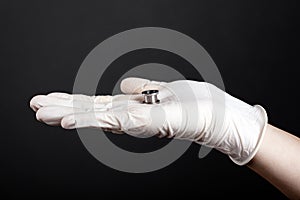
<point x="35" y="102"/>
<point x="133" y="85"/>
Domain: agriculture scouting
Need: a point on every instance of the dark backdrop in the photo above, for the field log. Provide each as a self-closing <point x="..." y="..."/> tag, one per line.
<point x="43" y="44"/>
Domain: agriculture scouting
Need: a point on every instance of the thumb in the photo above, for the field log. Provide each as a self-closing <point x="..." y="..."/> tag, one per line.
<point x="134" y="85"/>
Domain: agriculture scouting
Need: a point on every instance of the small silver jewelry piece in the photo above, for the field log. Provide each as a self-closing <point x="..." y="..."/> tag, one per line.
<point x="150" y="96"/>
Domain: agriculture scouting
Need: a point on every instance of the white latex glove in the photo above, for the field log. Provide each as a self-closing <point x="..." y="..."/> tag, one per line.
<point x="191" y="110"/>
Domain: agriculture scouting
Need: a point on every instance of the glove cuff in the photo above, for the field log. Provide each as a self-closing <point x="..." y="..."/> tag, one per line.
<point x="261" y="124"/>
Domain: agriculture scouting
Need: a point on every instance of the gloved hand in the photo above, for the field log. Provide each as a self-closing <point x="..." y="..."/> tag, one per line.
<point x="196" y="111"/>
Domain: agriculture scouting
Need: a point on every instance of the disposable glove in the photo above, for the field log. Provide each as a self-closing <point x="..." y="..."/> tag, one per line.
<point x="190" y="110"/>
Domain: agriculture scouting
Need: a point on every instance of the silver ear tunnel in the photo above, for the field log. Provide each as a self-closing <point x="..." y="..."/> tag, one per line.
<point x="150" y="96"/>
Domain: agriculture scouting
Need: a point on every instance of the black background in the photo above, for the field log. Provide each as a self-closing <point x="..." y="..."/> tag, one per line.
<point x="43" y="44"/>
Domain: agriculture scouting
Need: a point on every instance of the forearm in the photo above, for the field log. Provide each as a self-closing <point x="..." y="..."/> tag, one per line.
<point x="278" y="161"/>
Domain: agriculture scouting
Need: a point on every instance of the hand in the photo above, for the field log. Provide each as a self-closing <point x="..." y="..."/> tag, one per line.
<point x="191" y="110"/>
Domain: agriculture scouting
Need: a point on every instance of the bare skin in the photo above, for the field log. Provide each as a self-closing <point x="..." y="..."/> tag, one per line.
<point x="278" y="161"/>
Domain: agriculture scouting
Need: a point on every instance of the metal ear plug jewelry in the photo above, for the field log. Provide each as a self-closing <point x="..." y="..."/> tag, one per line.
<point x="150" y="96"/>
